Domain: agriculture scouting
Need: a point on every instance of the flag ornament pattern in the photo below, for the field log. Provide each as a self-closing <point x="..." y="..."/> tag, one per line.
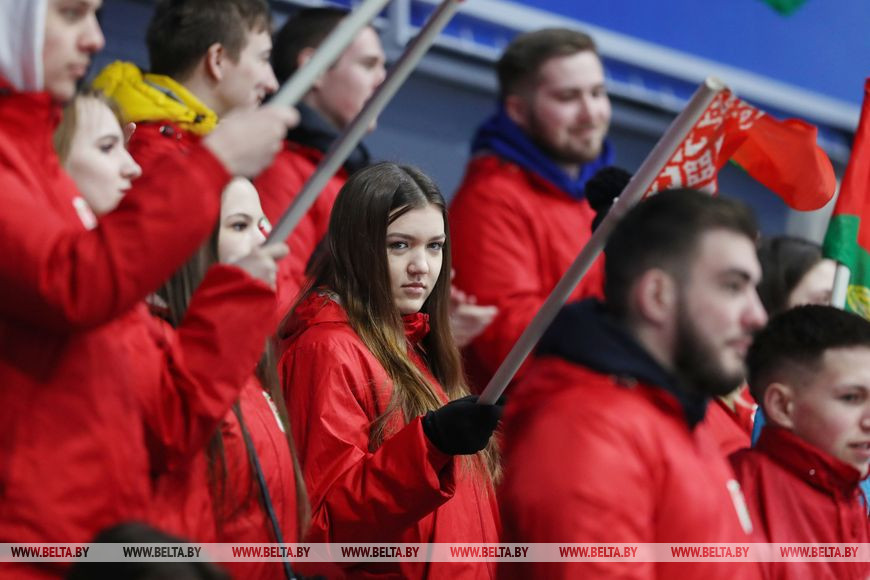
<point x="782" y="155"/>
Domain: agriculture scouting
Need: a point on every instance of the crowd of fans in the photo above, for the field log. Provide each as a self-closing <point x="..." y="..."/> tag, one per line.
<point x="165" y="375"/>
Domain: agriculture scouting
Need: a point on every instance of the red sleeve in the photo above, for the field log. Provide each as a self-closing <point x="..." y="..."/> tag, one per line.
<point x="208" y="360"/>
<point x="57" y="275"/>
<point x="594" y="496"/>
<point x="357" y="495"/>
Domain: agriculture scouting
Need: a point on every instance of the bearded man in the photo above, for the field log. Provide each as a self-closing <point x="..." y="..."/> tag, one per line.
<point x="604" y="440"/>
<point x="521" y="216"/>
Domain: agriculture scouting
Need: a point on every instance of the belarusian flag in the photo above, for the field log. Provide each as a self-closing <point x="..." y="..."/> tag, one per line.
<point x="782" y="155"/>
<point x="848" y="237"/>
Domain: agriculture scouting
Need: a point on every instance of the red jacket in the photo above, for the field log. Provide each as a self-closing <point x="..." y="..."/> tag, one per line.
<point x="590" y="457"/>
<point x="185" y="497"/>
<point x="72" y="425"/>
<point x="798" y="494"/>
<point x="514" y="235"/>
<point x="190" y="507"/>
<point x="732" y="429"/>
<point x="278" y="186"/>
<point x="406" y="491"/>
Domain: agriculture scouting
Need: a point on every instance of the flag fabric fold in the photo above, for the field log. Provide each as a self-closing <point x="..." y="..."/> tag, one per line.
<point x="781" y="155"/>
<point x="848" y="237"/>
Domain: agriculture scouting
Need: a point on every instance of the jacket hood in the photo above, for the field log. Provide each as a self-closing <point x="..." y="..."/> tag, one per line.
<point x="145" y="97"/>
<point x="585" y="334"/>
<point x="316" y="132"/>
<point x="22" y="35"/>
<point x="500" y="135"/>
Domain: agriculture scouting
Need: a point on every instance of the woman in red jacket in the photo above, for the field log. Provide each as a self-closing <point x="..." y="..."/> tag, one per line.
<point x="368" y="371"/>
<point x="246" y="485"/>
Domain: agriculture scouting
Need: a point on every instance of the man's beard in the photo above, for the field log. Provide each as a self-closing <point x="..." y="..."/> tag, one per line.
<point x="560" y="155"/>
<point x="698" y="364"/>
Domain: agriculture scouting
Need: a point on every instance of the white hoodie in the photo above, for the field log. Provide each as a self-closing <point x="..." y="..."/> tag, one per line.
<point x="22" y="33"/>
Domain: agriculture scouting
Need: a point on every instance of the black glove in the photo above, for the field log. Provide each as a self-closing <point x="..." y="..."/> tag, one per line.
<point x="462" y="427"/>
<point x="603" y="188"/>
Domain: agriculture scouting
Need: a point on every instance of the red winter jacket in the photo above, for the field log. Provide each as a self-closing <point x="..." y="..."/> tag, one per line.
<point x="406" y="491"/>
<point x="590" y="457"/>
<point x="191" y="508"/>
<point x="184" y="497"/>
<point x="278" y="186"/>
<point x="72" y="425"/>
<point x="798" y="494"/>
<point x="514" y="235"/>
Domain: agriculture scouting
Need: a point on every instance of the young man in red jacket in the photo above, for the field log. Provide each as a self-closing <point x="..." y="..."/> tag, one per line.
<point x="209" y="58"/>
<point x="810" y="369"/>
<point x="328" y="108"/>
<point x="521" y="216"/>
<point x="603" y="440"/>
<point x="78" y="447"/>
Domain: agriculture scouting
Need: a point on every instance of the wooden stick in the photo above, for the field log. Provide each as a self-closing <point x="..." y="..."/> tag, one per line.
<point x="841" y="286"/>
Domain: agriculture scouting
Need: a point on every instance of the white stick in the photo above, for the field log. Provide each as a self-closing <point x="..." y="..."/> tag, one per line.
<point x="841" y="286"/>
<point x="633" y="192"/>
<point x="327" y="53"/>
<point x="344" y="145"/>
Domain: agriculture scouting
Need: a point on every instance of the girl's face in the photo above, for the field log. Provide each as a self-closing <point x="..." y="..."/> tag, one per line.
<point x="98" y="161"/>
<point x="415" y="242"/>
<point x="242" y="223"/>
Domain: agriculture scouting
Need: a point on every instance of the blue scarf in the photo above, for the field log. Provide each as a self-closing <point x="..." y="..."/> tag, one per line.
<point x="500" y="135"/>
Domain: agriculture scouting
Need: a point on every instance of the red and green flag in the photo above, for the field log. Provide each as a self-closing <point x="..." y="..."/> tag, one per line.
<point x="848" y="238"/>
<point x="781" y="155"/>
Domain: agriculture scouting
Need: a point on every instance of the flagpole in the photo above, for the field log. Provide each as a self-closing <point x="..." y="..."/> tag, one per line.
<point x="633" y="192"/>
<point x="344" y="145"/>
<point x="327" y="53"/>
<point x="841" y="286"/>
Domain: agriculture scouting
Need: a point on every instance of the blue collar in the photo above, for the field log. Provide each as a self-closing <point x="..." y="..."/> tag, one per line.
<point x="500" y="135"/>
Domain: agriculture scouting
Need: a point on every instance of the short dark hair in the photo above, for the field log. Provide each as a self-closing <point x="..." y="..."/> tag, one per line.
<point x="519" y="64"/>
<point x="181" y="31"/>
<point x="305" y="29"/>
<point x="785" y="260"/>
<point x="663" y="232"/>
<point x="794" y="342"/>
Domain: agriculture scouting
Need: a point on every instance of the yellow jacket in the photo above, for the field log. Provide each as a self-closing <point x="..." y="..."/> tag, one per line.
<point x="144" y="97"/>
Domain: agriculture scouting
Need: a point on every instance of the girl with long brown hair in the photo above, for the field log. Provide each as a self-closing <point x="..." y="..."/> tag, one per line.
<point x="247" y="485"/>
<point x="374" y="383"/>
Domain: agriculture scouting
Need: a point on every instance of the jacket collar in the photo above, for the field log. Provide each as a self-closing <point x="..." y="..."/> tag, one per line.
<point x="323" y="307"/>
<point x="500" y="135"/>
<point x="154" y="98"/>
<point x="585" y="334"/>
<point x="33" y="116"/>
<point x="808" y="462"/>
<point x="316" y="132"/>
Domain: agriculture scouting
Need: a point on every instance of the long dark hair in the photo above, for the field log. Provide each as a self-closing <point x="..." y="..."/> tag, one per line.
<point x="176" y="294"/>
<point x="785" y="260"/>
<point x="353" y="265"/>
